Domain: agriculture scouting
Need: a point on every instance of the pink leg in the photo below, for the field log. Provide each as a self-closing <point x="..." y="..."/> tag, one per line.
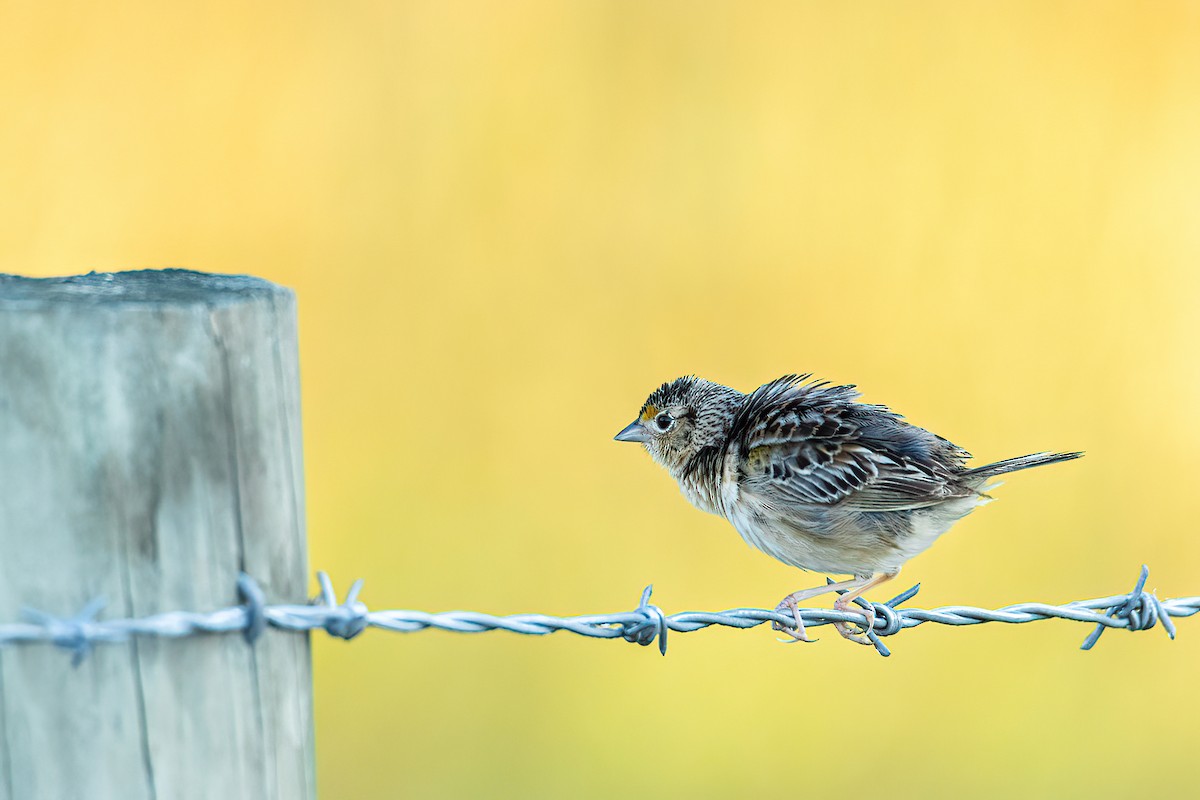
<point x="791" y="603"/>
<point x="845" y="601"/>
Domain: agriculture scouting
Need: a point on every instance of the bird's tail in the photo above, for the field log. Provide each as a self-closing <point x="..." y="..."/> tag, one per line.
<point x="1013" y="464"/>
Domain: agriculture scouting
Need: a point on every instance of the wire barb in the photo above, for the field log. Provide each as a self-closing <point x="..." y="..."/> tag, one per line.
<point x="348" y="619"/>
<point x="653" y="624"/>
<point x="1138" y="610"/>
<point x="256" y="603"/>
<point x="72" y="633"/>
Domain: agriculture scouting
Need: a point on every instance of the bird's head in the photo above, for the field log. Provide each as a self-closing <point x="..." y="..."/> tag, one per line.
<point x="680" y="418"/>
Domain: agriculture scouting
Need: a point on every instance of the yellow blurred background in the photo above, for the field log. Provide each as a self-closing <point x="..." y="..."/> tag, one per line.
<point x="507" y="222"/>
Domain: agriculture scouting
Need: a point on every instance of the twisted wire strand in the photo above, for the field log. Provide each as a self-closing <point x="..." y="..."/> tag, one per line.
<point x="646" y="624"/>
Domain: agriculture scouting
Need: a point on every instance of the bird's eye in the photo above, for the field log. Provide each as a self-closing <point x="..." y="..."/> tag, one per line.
<point x="663" y="421"/>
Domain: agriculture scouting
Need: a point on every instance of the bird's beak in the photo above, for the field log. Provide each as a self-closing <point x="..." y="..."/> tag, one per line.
<point x="633" y="432"/>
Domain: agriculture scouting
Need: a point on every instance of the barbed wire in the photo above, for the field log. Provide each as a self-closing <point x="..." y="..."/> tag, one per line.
<point x="1138" y="610"/>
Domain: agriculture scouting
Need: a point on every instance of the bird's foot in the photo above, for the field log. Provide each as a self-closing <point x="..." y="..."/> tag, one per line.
<point x="855" y="632"/>
<point x="796" y="631"/>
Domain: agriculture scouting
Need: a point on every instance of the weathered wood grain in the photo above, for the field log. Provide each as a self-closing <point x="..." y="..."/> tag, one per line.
<point x="149" y="450"/>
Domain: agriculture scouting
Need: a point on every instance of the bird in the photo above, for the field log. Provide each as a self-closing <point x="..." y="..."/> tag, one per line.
<point x="808" y="474"/>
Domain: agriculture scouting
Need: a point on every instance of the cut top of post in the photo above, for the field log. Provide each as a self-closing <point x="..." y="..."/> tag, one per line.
<point x="158" y="287"/>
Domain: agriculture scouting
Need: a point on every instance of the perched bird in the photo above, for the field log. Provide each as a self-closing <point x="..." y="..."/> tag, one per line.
<point x="813" y="477"/>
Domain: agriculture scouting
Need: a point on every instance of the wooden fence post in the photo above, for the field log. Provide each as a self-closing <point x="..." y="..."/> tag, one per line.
<point x="149" y="451"/>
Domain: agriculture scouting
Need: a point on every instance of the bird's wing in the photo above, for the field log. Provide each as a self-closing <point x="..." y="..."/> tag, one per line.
<point x="804" y="442"/>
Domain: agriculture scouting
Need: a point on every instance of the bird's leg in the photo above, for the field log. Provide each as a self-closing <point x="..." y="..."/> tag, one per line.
<point x="791" y="603"/>
<point x="843" y="603"/>
<point x="797" y="633"/>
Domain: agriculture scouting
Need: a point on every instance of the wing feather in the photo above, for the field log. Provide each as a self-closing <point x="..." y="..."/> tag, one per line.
<point x="812" y="443"/>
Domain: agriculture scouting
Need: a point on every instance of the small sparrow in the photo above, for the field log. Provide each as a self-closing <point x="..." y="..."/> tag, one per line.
<point x="809" y="475"/>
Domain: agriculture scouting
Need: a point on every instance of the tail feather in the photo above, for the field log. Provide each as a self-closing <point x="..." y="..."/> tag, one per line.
<point x="1013" y="464"/>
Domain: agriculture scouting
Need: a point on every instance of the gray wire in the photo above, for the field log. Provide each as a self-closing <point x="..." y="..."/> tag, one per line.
<point x="646" y="624"/>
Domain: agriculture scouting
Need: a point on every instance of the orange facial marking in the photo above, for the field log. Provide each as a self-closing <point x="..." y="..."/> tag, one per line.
<point x="650" y="413"/>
